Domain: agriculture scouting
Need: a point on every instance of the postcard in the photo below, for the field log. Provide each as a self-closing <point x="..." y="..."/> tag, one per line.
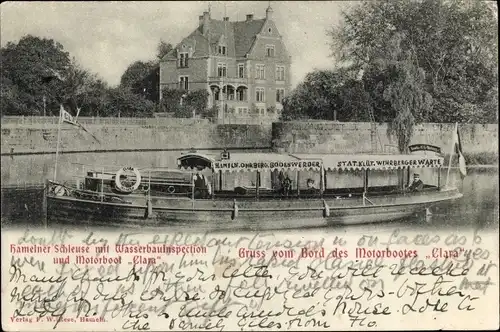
<point x="234" y="166"/>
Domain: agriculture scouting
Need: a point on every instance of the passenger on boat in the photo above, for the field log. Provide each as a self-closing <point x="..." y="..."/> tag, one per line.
<point x="311" y="188"/>
<point x="287" y="185"/>
<point x="200" y="185"/>
<point x="310" y="184"/>
<point x="417" y="184"/>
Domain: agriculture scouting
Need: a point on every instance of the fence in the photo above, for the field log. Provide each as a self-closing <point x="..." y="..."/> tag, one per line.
<point x="114" y="121"/>
<point x="111" y="121"/>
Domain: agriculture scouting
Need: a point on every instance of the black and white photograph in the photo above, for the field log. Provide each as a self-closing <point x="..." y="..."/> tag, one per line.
<point x="249" y="165"/>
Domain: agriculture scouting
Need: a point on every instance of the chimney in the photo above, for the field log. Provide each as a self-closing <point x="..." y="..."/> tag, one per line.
<point x="269" y="13"/>
<point x="206" y="22"/>
<point x="226" y="18"/>
<point x="249" y="17"/>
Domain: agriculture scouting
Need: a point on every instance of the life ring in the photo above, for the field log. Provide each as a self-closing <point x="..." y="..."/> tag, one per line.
<point x="60" y="191"/>
<point x="125" y="189"/>
<point x="171" y="189"/>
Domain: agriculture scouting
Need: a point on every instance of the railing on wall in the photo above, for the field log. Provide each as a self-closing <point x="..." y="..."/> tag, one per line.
<point x="111" y="121"/>
<point x="157" y="121"/>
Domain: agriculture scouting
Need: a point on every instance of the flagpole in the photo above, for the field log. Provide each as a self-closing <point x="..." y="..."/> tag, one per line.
<point x="452" y="149"/>
<point x="58" y="140"/>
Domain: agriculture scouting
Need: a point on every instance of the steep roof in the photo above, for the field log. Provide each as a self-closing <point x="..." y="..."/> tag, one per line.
<point x="245" y="34"/>
<point x="240" y="37"/>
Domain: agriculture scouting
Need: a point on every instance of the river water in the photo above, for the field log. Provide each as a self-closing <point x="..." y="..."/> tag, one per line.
<point x="23" y="177"/>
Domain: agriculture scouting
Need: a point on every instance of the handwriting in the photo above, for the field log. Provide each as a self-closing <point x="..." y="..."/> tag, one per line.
<point x="226" y="290"/>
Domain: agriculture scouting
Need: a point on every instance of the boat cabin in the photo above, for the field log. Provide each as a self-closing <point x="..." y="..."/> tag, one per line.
<point x="272" y="175"/>
<point x="247" y="176"/>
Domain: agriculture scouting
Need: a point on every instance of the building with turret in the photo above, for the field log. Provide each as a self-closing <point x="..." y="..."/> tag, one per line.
<point x="244" y="65"/>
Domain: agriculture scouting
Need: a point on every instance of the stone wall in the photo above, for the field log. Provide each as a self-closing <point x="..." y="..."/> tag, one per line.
<point x="358" y="137"/>
<point x="43" y="139"/>
<point x="299" y="137"/>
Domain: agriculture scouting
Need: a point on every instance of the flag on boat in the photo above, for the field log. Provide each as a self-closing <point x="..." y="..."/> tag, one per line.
<point x="459" y="152"/>
<point x="68" y="118"/>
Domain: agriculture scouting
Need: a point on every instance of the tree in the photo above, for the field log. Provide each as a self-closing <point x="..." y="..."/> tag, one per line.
<point x="171" y="102"/>
<point x="33" y="68"/>
<point x="142" y="78"/>
<point x="193" y="102"/>
<point x="122" y="102"/>
<point x="454" y="42"/>
<point x="329" y="95"/>
<point x="196" y="102"/>
<point x="162" y="49"/>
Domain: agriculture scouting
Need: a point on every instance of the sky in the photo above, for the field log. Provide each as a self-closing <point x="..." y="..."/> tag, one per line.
<point x="106" y="38"/>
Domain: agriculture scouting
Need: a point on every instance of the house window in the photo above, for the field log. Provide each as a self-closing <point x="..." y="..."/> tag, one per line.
<point x="241" y="70"/>
<point x="183" y="83"/>
<point x="259" y="95"/>
<point x="241" y="95"/>
<point x="221" y="70"/>
<point x="222" y="50"/>
<point x="280" y="73"/>
<point x="270" y="50"/>
<point x="280" y="94"/>
<point x="260" y="72"/>
<point x="183" y="60"/>
<point x="242" y="110"/>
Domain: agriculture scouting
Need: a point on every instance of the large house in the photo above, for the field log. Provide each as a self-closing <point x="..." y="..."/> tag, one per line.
<point x="244" y="65"/>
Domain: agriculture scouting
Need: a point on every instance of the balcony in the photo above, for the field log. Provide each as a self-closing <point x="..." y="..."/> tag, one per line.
<point x="227" y="80"/>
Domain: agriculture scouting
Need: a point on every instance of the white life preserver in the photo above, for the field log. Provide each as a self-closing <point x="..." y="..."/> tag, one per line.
<point x="171" y="189"/>
<point x="119" y="185"/>
<point x="60" y="191"/>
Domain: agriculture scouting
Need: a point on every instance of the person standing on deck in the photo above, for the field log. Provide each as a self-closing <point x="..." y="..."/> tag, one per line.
<point x="287" y="185"/>
<point x="200" y="184"/>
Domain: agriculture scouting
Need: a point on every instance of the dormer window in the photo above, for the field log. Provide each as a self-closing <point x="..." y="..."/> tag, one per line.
<point x="222" y="50"/>
<point x="183" y="60"/>
<point x="270" y="50"/>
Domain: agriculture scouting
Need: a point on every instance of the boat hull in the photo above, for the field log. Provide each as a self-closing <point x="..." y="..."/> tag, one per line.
<point x="225" y="214"/>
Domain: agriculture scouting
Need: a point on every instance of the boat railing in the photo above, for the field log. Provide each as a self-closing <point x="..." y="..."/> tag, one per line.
<point x="102" y="194"/>
<point x="114" y="168"/>
<point x="164" y="183"/>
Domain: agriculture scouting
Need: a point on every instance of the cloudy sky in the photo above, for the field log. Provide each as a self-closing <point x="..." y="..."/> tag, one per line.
<point x="106" y="37"/>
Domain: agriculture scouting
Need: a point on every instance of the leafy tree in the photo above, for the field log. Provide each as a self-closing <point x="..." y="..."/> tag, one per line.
<point x="193" y="102"/>
<point x="454" y="42"/>
<point x="142" y="78"/>
<point x="122" y="102"/>
<point x="171" y="101"/>
<point x="329" y="95"/>
<point x="197" y="101"/>
<point x="163" y="48"/>
<point x="33" y="68"/>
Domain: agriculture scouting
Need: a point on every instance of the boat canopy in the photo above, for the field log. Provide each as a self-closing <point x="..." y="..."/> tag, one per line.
<point x="192" y="160"/>
<point x="373" y="161"/>
<point x="247" y="162"/>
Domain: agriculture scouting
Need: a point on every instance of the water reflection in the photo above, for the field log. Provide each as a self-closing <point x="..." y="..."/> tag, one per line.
<point x="22" y="204"/>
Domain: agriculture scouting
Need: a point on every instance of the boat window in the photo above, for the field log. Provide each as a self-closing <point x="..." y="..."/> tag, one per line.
<point x="344" y="179"/>
<point x="382" y="178"/>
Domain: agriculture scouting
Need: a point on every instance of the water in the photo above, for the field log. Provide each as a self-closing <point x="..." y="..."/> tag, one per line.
<point x="23" y="177"/>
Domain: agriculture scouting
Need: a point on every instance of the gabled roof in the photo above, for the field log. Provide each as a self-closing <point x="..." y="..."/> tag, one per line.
<point x="245" y="34"/>
<point x="240" y="37"/>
